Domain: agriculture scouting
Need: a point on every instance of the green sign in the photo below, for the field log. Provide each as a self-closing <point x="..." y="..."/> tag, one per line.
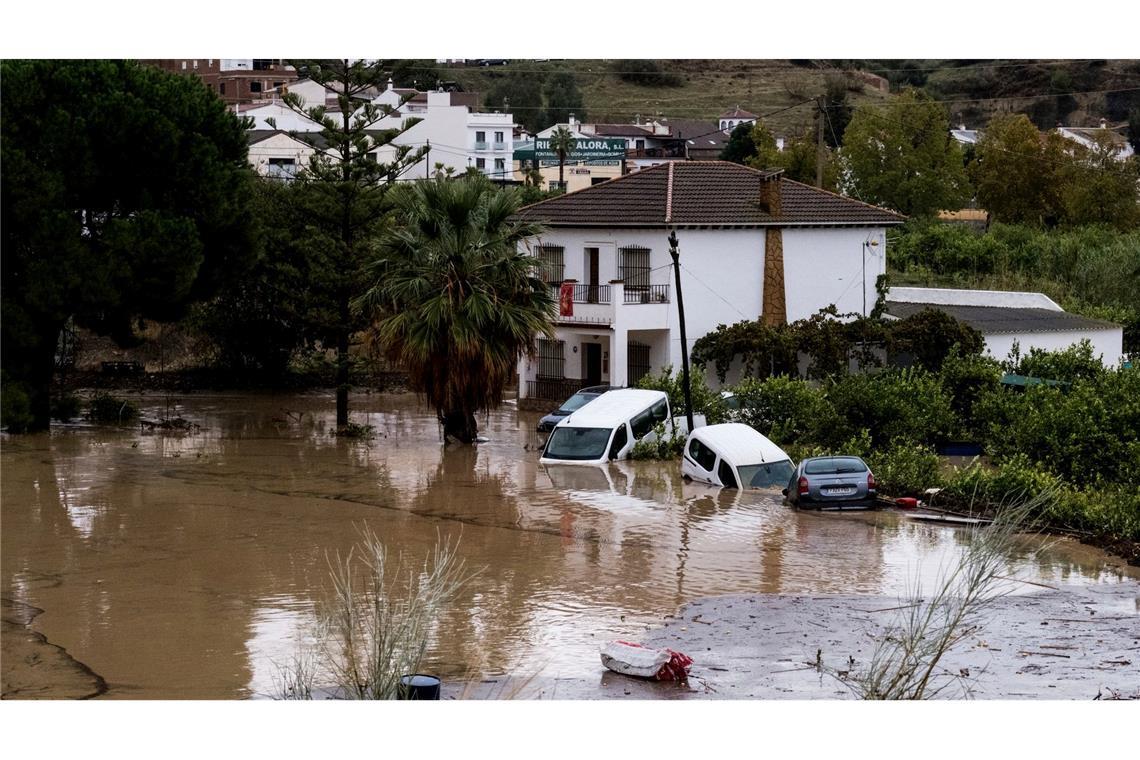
<point x="594" y="151"/>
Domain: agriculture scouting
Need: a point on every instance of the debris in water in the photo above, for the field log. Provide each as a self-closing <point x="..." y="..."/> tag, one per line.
<point x="632" y="659"/>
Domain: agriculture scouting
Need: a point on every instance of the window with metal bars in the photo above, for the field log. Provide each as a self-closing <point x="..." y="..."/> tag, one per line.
<point x="635" y="268"/>
<point x="552" y="264"/>
<point x="638" y="364"/>
<point x="551" y="359"/>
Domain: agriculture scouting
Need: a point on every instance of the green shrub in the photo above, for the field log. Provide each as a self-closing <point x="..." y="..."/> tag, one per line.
<point x="705" y="400"/>
<point x="105" y="408"/>
<point x="906" y="469"/>
<point x="858" y="445"/>
<point x="893" y="405"/>
<point x="66" y="407"/>
<point x="783" y="409"/>
<point x="1112" y="511"/>
<point x="1065" y="365"/>
<point x="966" y="379"/>
<point x="15" y="406"/>
<point x="1015" y="480"/>
<point x="646" y="73"/>
<point x="1089" y="433"/>
<point x="661" y="446"/>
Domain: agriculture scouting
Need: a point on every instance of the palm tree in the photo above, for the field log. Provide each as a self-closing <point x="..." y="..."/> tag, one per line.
<point x="562" y="142"/>
<point x="453" y="298"/>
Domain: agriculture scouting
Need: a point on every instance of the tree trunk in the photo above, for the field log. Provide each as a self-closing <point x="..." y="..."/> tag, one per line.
<point x="342" y="365"/>
<point x="39" y="369"/>
<point x="459" y="426"/>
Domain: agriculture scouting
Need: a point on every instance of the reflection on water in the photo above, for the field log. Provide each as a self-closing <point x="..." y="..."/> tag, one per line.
<point x="190" y="566"/>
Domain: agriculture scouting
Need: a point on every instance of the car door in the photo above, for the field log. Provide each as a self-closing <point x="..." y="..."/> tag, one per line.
<point x="699" y="462"/>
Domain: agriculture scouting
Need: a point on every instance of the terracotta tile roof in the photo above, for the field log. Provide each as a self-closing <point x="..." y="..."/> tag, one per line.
<point x="623" y="130"/>
<point x="738" y="113"/>
<point x="704" y="193"/>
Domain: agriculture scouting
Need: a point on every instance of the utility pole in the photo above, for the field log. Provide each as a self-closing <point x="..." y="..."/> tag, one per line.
<point x="819" y="117"/>
<point x="684" y="340"/>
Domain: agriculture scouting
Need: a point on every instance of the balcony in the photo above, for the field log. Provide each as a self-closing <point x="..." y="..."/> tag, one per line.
<point x="640" y="307"/>
<point x="480" y="145"/>
<point x="586" y="293"/>
<point x="500" y="146"/>
<point x="646" y="294"/>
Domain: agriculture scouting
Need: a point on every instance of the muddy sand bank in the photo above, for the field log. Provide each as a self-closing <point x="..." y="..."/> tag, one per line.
<point x="1076" y="642"/>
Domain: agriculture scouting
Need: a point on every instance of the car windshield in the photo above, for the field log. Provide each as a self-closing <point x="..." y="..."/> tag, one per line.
<point x="834" y="466"/>
<point x="576" y="402"/>
<point x="766" y="474"/>
<point x="577" y="443"/>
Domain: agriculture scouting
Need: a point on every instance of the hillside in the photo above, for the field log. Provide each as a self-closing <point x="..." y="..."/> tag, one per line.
<point x="1049" y="91"/>
<point x="708" y="88"/>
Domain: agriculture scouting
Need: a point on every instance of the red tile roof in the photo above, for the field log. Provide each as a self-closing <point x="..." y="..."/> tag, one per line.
<point x="702" y="193"/>
<point x="738" y="113"/>
<point x="623" y="130"/>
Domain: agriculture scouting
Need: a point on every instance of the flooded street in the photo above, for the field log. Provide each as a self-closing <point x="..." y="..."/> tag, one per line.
<point x="190" y="565"/>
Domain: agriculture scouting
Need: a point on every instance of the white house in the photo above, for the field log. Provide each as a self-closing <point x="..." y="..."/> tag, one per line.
<point x="752" y="245"/>
<point x="449" y="128"/>
<point x="730" y="120"/>
<point x="1032" y="320"/>
<point x="277" y="154"/>
<point x="1090" y="137"/>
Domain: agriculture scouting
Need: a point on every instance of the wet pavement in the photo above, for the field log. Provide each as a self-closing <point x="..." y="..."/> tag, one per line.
<point x="189" y="565"/>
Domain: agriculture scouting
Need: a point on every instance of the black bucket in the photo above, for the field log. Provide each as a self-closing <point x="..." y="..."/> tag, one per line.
<point x="419" y="686"/>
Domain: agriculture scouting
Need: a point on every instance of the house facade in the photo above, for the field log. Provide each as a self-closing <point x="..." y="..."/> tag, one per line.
<point x="752" y="245"/>
<point x="1031" y="320"/>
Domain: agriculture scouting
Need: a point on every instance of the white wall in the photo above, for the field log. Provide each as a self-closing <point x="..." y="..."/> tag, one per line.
<point x="313" y="93"/>
<point x="824" y="266"/>
<point x="722" y="278"/>
<point x="1107" y="343"/>
<point x="279" y="146"/>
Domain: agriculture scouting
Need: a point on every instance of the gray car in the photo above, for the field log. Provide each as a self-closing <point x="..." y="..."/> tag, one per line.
<point x="839" y="482"/>
<point x="572" y="404"/>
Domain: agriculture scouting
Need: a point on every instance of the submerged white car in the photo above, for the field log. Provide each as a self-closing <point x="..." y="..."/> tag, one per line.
<point x="607" y="428"/>
<point x="734" y="455"/>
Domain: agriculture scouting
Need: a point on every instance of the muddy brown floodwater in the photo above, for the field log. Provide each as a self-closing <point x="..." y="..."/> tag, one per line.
<point x="190" y="566"/>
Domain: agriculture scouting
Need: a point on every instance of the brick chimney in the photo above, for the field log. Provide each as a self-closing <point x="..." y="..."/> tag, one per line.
<point x="770" y="192"/>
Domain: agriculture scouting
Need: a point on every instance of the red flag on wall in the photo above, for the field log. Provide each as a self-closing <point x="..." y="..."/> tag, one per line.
<point x="566" y="300"/>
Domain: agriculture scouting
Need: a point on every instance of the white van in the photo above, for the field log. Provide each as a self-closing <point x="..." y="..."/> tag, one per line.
<point x="734" y="455"/>
<point x="607" y="427"/>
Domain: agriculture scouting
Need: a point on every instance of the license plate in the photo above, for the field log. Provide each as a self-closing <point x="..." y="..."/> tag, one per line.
<point x="841" y="491"/>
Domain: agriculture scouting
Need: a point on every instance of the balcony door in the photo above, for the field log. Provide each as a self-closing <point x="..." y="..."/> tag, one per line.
<point x="591" y="270"/>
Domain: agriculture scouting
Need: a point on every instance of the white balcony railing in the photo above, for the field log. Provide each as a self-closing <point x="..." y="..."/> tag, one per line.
<point x="480" y="145"/>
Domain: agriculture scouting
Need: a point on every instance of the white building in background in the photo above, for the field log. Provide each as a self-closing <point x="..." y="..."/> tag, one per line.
<point x="1032" y="320"/>
<point x="446" y="124"/>
<point x="1088" y="137"/>
<point x="278" y="155"/>
<point x="752" y="245"/>
<point x="730" y="120"/>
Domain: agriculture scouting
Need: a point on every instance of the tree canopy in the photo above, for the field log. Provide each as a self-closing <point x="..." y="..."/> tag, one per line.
<point x="521" y="96"/>
<point x="454" y="300"/>
<point x="1025" y="176"/>
<point x="343" y="192"/>
<point x="124" y="197"/>
<point x="1015" y="171"/>
<point x="563" y="98"/>
<point x="740" y="146"/>
<point x="901" y="156"/>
